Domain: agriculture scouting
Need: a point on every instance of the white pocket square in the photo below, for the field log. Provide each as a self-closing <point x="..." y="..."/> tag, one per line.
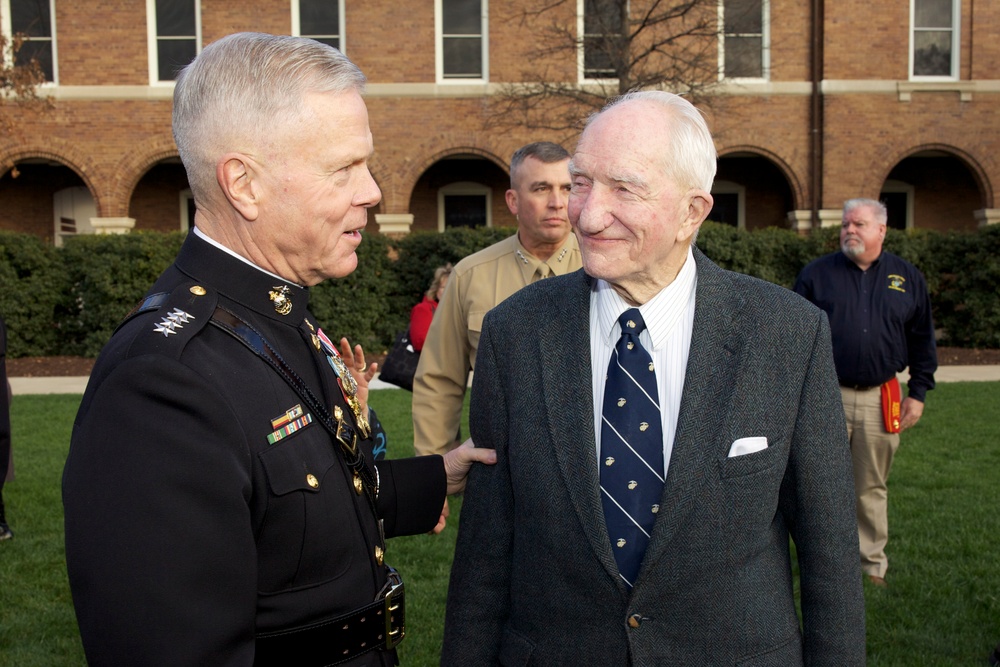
<point x="745" y="446"/>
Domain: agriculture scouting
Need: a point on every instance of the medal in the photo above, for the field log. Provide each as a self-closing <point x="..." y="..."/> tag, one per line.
<point x="348" y="384"/>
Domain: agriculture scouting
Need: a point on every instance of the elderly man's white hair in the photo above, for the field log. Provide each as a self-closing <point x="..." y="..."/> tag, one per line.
<point x="690" y="160"/>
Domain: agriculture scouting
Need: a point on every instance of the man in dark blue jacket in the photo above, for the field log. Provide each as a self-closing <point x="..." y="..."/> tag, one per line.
<point x="880" y="319"/>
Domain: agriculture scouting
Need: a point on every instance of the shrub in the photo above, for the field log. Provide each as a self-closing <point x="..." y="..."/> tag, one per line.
<point x="31" y="287"/>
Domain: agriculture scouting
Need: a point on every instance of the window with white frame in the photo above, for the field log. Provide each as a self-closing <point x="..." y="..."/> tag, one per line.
<point x="462" y="51"/>
<point x="729" y="204"/>
<point x="603" y="28"/>
<point x="35" y="21"/>
<point x="174" y="36"/>
<point x="744" y="43"/>
<point x="934" y="39"/>
<point x="322" y="20"/>
<point x="464" y="204"/>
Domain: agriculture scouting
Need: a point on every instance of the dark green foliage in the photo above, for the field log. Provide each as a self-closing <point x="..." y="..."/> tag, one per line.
<point x="358" y="306"/>
<point x="69" y="300"/>
<point x="106" y="277"/>
<point x="30" y="289"/>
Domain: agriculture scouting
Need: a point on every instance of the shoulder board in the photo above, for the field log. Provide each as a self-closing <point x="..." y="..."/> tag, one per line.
<point x="171" y="319"/>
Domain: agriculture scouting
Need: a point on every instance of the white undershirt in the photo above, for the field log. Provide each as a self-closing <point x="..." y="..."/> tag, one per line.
<point x="669" y="318"/>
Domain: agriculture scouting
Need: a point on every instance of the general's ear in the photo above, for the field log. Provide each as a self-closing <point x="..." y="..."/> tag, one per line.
<point x="511" y="198"/>
<point x="236" y="175"/>
<point x="699" y="206"/>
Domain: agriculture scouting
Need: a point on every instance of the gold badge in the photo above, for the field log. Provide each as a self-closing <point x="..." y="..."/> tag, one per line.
<point x="379" y="554"/>
<point x="279" y="296"/>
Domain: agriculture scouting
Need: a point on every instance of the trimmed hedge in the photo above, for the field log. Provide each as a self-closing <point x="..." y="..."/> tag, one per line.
<point x="69" y="300"/>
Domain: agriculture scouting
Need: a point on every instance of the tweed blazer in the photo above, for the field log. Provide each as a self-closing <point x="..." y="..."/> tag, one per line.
<point x="534" y="580"/>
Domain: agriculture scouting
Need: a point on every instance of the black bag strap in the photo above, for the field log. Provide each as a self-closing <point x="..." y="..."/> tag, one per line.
<point x="343" y="432"/>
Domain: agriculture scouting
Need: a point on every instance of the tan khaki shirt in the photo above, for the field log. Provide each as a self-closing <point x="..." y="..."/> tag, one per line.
<point x="478" y="283"/>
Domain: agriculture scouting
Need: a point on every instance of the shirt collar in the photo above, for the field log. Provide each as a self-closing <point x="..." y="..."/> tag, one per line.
<point x="661" y="313"/>
<point x="558" y="263"/>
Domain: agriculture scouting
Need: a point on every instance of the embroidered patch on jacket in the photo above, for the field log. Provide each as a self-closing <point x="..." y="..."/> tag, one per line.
<point x="896" y="282"/>
<point x="174" y="320"/>
<point x="289" y="428"/>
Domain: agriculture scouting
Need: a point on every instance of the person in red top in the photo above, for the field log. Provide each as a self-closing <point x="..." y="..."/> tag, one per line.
<point x="423" y="312"/>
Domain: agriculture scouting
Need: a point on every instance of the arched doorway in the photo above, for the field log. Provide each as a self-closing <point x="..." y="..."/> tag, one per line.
<point x="751" y="192"/>
<point x="45" y="198"/>
<point x="461" y="191"/>
<point x="162" y="200"/>
<point x="932" y="189"/>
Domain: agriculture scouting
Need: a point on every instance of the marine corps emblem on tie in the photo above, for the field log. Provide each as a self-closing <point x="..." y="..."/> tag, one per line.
<point x="279" y="297"/>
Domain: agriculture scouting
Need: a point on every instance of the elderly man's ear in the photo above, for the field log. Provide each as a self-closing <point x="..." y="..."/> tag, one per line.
<point x="699" y="206"/>
<point x="237" y="177"/>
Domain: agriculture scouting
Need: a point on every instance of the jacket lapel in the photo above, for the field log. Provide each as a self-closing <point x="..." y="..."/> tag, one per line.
<point x="567" y="395"/>
<point x="708" y="389"/>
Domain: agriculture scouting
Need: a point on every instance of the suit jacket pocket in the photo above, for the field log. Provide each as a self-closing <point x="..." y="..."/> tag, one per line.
<point x="788" y="654"/>
<point x="515" y="649"/>
<point x="748" y="464"/>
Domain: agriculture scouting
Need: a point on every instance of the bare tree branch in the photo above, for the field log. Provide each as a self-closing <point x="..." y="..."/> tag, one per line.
<point x="18" y="84"/>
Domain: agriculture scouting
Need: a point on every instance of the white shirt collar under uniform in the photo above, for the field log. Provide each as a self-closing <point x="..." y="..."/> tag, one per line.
<point x="669" y="318"/>
<point x="200" y="234"/>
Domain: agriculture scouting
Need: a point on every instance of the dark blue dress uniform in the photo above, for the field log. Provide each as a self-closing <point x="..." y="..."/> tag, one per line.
<point x="880" y="319"/>
<point x="205" y="504"/>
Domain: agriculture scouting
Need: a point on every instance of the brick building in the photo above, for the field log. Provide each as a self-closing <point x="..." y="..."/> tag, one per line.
<point x="815" y="102"/>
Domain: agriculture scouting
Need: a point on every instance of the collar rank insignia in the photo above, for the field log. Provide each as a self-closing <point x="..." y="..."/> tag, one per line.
<point x="174" y="320"/>
<point x="897" y="282"/>
<point x="293" y="420"/>
<point x="279" y="296"/>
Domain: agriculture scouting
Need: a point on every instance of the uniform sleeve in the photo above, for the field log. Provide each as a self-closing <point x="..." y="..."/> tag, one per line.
<point x="817" y="499"/>
<point x="159" y="545"/>
<point x="411" y="494"/>
<point x="479" y="591"/>
<point x="442" y="374"/>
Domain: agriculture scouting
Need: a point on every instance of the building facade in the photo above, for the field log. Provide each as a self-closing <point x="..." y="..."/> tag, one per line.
<point x="811" y="102"/>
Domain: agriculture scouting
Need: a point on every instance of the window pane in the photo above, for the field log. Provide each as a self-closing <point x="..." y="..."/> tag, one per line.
<point x="743" y="17"/>
<point x="31" y="17"/>
<point x="175" y="18"/>
<point x="40" y="51"/>
<point x="463" y="57"/>
<point x="173" y="55"/>
<point x="597" y="62"/>
<point x="743" y="57"/>
<point x="932" y="53"/>
<point x="601" y="17"/>
<point x="464" y="211"/>
<point x="319" y="17"/>
<point x="461" y="17"/>
<point x="932" y="13"/>
<point x="329" y="41"/>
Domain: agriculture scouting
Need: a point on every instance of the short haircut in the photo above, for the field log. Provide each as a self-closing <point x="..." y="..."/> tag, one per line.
<point x="543" y="151"/>
<point x="233" y="94"/>
<point x="877" y="207"/>
<point x="690" y="159"/>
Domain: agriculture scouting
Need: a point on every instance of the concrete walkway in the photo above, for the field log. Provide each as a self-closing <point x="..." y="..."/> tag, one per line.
<point x="76" y="385"/>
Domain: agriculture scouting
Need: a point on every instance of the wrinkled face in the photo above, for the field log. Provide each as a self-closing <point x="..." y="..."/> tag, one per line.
<point x="316" y="189"/>
<point x="861" y="235"/>
<point x="633" y="223"/>
<point x="538" y="199"/>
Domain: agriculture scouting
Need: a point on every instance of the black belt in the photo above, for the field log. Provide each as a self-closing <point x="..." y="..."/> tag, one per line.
<point x="858" y="387"/>
<point x="378" y="626"/>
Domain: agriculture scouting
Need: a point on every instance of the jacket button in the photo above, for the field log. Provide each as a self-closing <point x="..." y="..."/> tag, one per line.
<point x="635" y="620"/>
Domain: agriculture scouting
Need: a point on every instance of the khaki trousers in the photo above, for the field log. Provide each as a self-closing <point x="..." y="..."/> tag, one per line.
<point x="872" y="449"/>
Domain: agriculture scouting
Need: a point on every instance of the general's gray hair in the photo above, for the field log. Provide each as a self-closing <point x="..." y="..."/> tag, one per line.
<point x="877" y="207"/>
<point x="236" y="90"/>
<point x="543" y="151"/>
<point x="690" y="160"/>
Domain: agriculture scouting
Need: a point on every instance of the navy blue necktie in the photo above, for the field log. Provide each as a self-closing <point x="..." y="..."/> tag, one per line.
<point x="631" y="448"/>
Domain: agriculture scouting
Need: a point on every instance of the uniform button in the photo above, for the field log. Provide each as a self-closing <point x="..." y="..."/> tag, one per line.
<point x="198" y="290"/>
<point x="312" y="481"/>
<point x="635" y="620"/>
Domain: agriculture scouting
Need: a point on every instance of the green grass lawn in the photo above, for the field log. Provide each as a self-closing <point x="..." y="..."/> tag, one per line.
<point x="942" y="607"/>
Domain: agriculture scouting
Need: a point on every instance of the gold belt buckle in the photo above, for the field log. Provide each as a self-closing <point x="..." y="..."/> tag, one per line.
<point x="392" y="588"/>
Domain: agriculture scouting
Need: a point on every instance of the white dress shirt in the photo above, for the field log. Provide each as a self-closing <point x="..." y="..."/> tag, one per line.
<point x="669" y="318"/>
